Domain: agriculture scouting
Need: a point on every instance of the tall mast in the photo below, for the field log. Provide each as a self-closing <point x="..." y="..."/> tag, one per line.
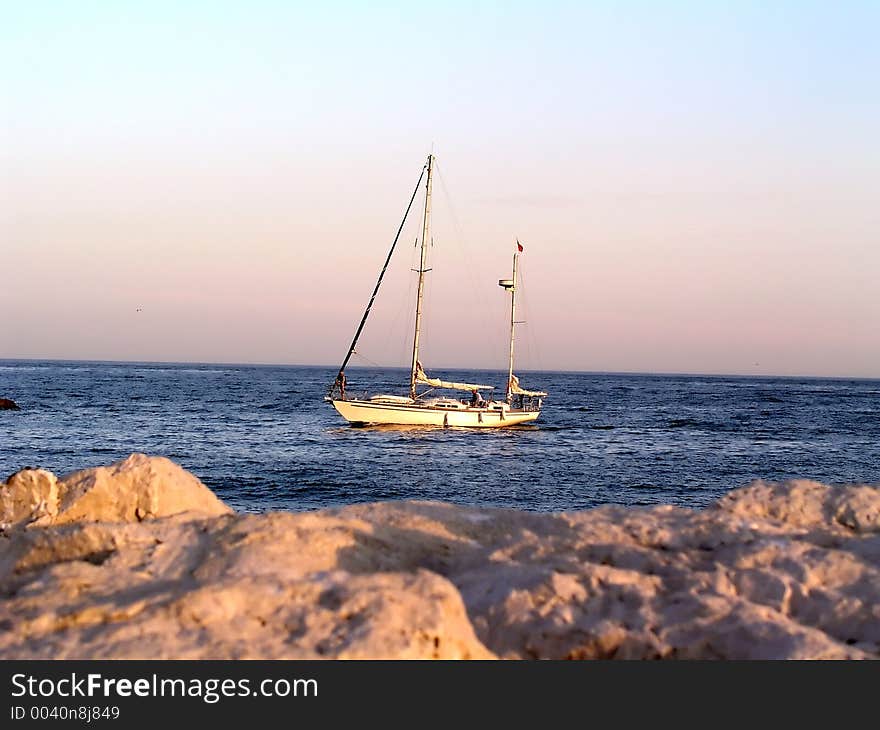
<point x="512" y="289"/>
<point x="426" y="230"/>
<point x="339" y="383"/>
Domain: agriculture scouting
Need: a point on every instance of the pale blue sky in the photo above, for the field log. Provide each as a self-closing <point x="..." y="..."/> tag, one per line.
<point x="697" y="182"/>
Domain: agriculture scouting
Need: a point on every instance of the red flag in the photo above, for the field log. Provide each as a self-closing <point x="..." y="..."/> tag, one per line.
<point x="519" y="246"/>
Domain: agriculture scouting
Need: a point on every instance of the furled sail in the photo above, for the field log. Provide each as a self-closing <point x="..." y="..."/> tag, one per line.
<point x="422" y="378"/>
<point x="516" y="390"/>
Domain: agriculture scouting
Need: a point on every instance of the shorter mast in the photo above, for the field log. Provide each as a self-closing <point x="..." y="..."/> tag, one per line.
<point x="512" y="323"/>
<point x="510" y="285"/>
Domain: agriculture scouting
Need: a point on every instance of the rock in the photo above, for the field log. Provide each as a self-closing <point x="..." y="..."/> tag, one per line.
<point x="771" y="571"/>
<point x="138" y="488"/>
<point x="28" y="495"/>
<point x="806" y="503"/>
<point x="8" y="405"/>
<point x="178" y="589"/>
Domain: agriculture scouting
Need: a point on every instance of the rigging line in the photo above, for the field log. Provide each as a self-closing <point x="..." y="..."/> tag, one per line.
<point x="367" y="360"/>
<point x="494" y="336"/>
<point x="428" y="321"/>
<point x="378" y="284"/>
<point x="523" y="302"/>
<point x="391" y="334"/>
<point x="397" y="336"/>
<point x="532" y="347"/>
<point x="408" y="305"/>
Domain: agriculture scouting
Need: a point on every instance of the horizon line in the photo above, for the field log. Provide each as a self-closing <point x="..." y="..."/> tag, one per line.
<point x="439" y="367"/>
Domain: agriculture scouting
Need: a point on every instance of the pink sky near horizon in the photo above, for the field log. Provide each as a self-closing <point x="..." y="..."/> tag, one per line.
<point x="669" y="224"/>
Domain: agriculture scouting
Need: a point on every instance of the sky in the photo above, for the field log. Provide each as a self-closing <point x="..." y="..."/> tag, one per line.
<point x="695" y="184"/>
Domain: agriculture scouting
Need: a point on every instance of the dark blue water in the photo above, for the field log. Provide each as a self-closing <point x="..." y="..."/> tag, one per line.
<point x="262" y="437"/>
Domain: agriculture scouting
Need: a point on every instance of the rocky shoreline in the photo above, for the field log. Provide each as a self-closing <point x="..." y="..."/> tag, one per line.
<point x="141" y="560"/>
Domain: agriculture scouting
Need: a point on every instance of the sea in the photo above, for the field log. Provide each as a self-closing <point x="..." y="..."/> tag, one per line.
<point x="262" y="437"/>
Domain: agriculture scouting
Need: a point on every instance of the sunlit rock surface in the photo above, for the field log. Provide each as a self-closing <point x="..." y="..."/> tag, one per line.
<point x="140" y="487"/>
<point x="140" y="560"/>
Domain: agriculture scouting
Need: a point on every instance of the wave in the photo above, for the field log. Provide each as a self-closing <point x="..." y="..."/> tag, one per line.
<point x="770" y="399"/>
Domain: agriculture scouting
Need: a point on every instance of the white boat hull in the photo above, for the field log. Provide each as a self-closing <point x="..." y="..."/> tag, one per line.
<point x="365" y="412"/>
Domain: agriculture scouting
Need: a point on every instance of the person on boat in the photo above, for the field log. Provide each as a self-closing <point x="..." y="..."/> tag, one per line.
<point x="477" y="399"/>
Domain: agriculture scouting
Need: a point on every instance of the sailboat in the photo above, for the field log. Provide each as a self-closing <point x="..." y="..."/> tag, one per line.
<point x="427" y="409"/>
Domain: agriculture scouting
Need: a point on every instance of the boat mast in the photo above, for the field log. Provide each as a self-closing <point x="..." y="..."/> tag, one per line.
<point x="426" y="229"/>
<point x="512" y="321"/>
